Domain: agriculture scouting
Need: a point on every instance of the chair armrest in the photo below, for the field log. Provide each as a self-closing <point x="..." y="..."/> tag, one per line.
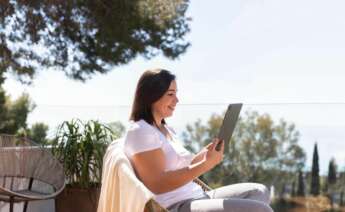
<point x="203" y="185"/>
<point x="153" y="206"/>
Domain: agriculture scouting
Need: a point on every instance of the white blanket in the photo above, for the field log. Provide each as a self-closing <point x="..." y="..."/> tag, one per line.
<point x="121" y="190"/>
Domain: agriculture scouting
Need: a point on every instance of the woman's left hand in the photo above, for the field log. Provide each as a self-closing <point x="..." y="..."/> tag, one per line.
<point x="202" y="154"/>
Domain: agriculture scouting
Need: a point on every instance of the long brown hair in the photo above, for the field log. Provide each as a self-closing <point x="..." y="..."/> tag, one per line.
<point x="151" y="86"/>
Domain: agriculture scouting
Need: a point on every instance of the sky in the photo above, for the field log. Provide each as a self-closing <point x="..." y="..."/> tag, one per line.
<point x="284" y="58"/>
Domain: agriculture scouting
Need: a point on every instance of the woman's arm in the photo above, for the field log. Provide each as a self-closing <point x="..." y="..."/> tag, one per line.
<point x="150" y="168"/>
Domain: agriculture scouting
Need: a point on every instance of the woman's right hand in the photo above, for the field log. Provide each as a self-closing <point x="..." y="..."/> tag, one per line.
<point x="212" y="156"/>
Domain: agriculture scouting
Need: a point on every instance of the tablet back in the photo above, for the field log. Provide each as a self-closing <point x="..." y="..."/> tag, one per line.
<point x="229" y="122"/>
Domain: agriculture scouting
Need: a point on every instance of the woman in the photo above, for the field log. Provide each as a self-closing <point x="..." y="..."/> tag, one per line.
<point x="167" y="168"/>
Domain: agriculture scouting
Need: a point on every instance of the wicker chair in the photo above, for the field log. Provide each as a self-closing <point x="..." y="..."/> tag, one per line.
<point x="27" y="172"/>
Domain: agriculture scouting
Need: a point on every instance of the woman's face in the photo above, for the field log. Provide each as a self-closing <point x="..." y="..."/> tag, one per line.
<point x="165" y="106"/>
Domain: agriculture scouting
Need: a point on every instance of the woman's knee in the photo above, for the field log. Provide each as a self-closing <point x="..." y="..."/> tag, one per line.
<point x="263" y="208"/>
<point x="238" y="205"/>
<point x="245" y="205"/>
<point x="261" y="192"/>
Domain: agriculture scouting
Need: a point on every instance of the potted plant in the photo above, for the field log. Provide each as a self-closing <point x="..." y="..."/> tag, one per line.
<point x="80" y="147"/>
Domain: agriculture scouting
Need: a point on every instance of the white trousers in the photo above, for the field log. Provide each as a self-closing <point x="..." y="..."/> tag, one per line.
<point x="242" y="197"/>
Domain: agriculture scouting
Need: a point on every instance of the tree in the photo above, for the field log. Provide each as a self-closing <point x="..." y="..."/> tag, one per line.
<point x="293" y="188"/>
<point x="117" y="128"/>
<point x="341" y="183"/>
<point x="331" y="179"/>
<point x="260" y="150"/>
<point x="3" y="108"/>
<point x="301" y="186"/>
<point x="82" y="38"/>
<point x="13" y="118"/>
<point x="315" y="178"/>
<point x="332" y="172"/>
<point x="38" y="133"/>
<point x="14" y="114"/>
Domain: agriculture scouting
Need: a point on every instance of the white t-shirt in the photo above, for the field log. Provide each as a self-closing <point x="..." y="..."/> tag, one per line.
<point x="142" y="137"/>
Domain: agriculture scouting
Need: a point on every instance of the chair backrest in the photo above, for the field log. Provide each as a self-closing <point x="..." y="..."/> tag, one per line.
<point x="151" y="205"/>
<point x="121" y="190"/>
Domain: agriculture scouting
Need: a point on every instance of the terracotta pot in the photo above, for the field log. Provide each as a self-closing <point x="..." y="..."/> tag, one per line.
<point x="77" y="199"/>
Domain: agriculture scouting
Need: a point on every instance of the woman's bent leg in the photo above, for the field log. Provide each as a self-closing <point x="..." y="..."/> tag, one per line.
<point x="224" y="205"/>
<point x="253" y="191"/>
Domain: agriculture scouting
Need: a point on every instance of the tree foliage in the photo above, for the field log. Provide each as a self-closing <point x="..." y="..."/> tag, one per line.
<point x="38" y="133"/>
<point x="293" y="188"/>
<point x="260" y="150"/>
<point x="13" y="114"/>
<point x="301" y="184"/>
<point x="315" y="176"/>
<point x="82" y="38"/>
<point x="332" y="172"/>
<point x="118" y="128"/>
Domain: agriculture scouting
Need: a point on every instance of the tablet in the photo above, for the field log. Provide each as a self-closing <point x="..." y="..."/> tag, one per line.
<point x="229" y="123"/>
